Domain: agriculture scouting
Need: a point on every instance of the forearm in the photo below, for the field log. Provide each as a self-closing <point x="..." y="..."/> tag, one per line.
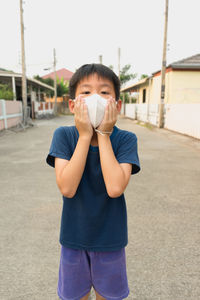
<point x="72" y="173"/>
<point x="112" y="172"/>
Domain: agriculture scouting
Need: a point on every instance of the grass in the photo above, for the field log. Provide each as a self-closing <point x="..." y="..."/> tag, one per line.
<point x="147" y="125"/>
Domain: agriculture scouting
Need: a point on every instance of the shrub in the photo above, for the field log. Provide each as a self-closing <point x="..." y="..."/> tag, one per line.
<point x="6" y="92"/>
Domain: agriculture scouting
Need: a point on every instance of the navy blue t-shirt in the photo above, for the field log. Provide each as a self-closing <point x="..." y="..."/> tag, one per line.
<point x="92" y="220"/>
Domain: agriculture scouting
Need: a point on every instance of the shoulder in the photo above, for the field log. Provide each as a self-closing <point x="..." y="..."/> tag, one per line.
<point x="125" y="135"/>
<point x="64" y="131"/>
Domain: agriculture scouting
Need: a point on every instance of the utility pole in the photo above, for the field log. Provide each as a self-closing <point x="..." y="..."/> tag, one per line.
<point x="100" y="59"/>
<point x="119" y="56"/>
<point x="24" y="85"/>
<point x="55" y="82"/>
<point x="162" y="95"/>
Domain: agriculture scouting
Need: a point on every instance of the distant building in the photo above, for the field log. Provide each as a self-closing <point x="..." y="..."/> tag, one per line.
<point x="62" y="73"/>
<point x="182" y="83"/>
<point x="36" y="90"/>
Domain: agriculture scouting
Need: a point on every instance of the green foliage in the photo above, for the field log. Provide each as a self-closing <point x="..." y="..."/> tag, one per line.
<point x="48" y="81"/>
<point x="127" y="98"/>
<point x="6" y="92"/>
<point x="143" y="76"/>
<point x="62" y="87"/>
<point x="125" y="76"/>
<point x="111" y="67"/>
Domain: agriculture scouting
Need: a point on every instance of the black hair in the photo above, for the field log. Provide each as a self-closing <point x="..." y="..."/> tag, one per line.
<point x="89" y="69"/>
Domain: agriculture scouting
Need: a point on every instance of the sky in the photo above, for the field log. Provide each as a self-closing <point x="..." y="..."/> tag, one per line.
<point x="81" y="30"/>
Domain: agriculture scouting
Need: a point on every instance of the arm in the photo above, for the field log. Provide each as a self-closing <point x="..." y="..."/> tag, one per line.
<point x="69" y="172"/>
<point x="116" y="176"/>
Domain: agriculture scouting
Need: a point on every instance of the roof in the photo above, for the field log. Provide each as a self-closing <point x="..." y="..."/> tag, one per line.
<point x="62" y="73"/>
<point x="7" y="74"/>
<point x="191" y="63"/>
<point x="135" y="85"/>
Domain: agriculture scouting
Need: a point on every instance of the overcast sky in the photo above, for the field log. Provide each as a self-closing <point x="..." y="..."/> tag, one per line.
<point x="81" y="30"/>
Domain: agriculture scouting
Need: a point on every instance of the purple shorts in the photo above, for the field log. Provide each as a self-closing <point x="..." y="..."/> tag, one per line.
<point x="81" y="269"/>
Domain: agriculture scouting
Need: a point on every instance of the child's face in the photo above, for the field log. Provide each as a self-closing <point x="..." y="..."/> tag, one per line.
<point x="95" y="85"/>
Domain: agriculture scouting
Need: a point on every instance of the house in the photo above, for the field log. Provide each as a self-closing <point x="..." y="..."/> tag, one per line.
<point x="182" y="83"/>
<point x="62" y="73"/>
<point x="181" y="102"/>
<point x="36" y="90"/>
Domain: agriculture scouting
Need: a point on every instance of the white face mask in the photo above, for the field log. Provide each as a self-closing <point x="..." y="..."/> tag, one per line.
<point x="96" y="108"/>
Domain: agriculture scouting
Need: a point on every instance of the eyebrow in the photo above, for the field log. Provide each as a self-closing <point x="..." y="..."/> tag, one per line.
<point x="101" y="85"/>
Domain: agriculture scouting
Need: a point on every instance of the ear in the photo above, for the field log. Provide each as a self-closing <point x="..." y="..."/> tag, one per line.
<point x="71" y="105"/>
<point x="119" y="105"/>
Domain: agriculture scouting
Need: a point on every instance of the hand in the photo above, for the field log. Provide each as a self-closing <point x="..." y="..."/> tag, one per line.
<point x="110" y="116"/>
<point x="81" y="117"/>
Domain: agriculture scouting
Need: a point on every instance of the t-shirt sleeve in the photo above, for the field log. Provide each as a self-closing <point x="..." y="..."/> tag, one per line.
<point x="128" y="151"/>
<point x="60" y="147"/>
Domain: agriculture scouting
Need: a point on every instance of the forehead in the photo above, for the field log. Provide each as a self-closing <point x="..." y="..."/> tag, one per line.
<point x="94" y="80"/>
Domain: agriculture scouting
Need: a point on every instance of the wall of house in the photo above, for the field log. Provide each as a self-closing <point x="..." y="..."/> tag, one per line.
<point x="142" y="87"/>
<point x="155" y="88"/>
<point x="185" y="87"/>
<point x="183" y="118"/>
<point x="180" y="87"/>
<point x="59" y="99"/>
<point x="179" y="117"/>
<point x="10" y="113"/>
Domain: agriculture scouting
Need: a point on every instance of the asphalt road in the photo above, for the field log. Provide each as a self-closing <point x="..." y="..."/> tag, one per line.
<point x="163" y="206"/>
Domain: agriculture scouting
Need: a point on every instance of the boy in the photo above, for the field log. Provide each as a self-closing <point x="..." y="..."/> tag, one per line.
<point x="93" y="167"/>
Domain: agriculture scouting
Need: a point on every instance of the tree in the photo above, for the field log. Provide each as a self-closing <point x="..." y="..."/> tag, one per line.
<point x="111" y="67"/>
<point x="48" y="81"/>
<point x="6" y="92"/>
<point x="62" y="86"/>
<point x="143" y="76"/>
<point x="127" y="97"/>
<point x="125" y="76"/>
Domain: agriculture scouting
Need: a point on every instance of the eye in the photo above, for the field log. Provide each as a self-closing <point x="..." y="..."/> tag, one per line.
<point x="105" y="93"/>
<point x="85" y="92"/>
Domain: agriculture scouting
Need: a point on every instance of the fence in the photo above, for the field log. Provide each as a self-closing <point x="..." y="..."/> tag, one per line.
<point x="182" y="118"/>
<point x="63" y="107"/>
<point x="10" y="113"/>
<point x="43" y="108"/>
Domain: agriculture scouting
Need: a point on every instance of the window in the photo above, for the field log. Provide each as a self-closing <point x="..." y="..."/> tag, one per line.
<point x="144" y="96"/>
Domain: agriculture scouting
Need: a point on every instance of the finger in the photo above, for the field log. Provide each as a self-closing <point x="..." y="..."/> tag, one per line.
<point x="82" y="109"/>
<point x="86" y="115"/>
<point x="77" y="107"/>
<point x="114" y="109"/>
<point x="110" y="111"/>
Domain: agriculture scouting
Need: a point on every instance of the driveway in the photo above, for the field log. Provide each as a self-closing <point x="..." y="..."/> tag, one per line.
<point x="163" y="206"/>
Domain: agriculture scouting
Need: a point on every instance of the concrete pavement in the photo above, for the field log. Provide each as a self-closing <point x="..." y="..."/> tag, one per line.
<point x="163" y="206"/>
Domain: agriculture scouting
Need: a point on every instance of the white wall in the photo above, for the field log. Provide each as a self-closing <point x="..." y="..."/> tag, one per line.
<point x="10" y="113"/>
<point x="182" y="118"/>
